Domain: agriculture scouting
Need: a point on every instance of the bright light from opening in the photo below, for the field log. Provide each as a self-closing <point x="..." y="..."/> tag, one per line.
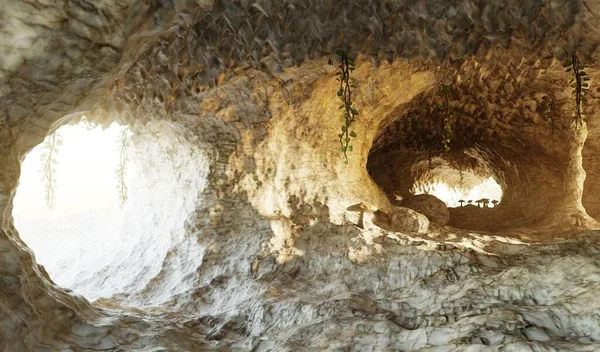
<point x="488" y="188"/>
<point x="143" y="252"/>
<point x="85" y="174"/>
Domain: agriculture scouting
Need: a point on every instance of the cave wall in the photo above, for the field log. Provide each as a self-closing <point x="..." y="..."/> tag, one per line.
<point x="590" y="158"/>
<point x="284" y="267"/>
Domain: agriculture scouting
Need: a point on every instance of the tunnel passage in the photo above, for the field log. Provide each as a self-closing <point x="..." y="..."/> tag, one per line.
<point x="456" y="188"/>
<point x="518" y="134"/>
<point x="465" y="181"/>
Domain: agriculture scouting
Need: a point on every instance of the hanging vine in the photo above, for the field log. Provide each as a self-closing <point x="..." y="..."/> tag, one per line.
<point x="550" y="116"/>
<point x="51" y="146"/>
<point x="122" y="167"/>
<point x="89" y="126"/>
<point x="448" y="119"/>
<point x="350" y="114"/>
<point x="580" y="85"/>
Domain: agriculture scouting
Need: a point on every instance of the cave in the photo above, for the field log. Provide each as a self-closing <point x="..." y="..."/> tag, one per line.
<point x="273" y="205"/>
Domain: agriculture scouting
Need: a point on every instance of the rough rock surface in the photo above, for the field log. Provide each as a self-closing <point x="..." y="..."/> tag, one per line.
<point x="408" y="220"/>
<point x="249" y="83"/>
<point x="428" y="205"/>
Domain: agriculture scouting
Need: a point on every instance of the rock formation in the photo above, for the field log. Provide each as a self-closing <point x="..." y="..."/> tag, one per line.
<point x="429" y="205"/>
<point x="284" y="268"/>
<point x="408" y="220"/>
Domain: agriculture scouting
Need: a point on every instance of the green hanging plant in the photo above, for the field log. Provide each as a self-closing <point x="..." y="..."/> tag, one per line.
<point x="89" y="126"/>
<point x="121" y="168"/>
<point x="51" y="146"/>
<point x="350" y="114"/>
<point x="448" y="118"/>
<point x="551" y="118"/>
<point x="580" y="85"/>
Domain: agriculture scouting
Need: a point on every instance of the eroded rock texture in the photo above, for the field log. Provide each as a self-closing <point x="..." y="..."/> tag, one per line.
<point x="429" y="205"/>
<point x="283" y="266"/>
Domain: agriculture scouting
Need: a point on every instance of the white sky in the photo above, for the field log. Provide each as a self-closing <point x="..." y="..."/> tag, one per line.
<point x="85" y="174"/>
<point x="488" y="188"/>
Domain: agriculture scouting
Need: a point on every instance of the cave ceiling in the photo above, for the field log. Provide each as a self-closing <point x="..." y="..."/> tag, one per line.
<point x="153" y="53"/>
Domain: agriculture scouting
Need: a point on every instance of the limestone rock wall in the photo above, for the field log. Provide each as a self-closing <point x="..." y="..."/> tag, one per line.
<point x="590" y="161"/>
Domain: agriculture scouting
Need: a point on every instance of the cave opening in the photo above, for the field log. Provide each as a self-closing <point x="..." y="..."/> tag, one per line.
<point x="529" y="159"/>
<point x="105" y="209"/>
<point x="456" y="188"/>
<point x="465" y="185"/>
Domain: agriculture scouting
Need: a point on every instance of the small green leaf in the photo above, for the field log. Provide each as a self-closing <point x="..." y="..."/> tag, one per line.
<point x="340" y="92"/>
<point x="353" y="134"/>
<point x="567" y="63"/>
<point x="586" y="79"/>
<point x="354" y="112"/>
<point x="582" y="73"/>
<point x="350" y="148"/>
<point x="344" y="128"/>
<point x="569" y="69"/>
<point x="347" y="139"/>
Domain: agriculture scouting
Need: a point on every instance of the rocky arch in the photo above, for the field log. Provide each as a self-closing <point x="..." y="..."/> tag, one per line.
<point x="512" y="131"/>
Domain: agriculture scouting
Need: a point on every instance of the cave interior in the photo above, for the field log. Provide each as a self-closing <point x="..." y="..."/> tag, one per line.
<point x="256" y="234"/>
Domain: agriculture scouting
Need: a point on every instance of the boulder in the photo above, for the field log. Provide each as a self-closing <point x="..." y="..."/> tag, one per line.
<point x="428" y="205"/>
<point x="407" y="220"/>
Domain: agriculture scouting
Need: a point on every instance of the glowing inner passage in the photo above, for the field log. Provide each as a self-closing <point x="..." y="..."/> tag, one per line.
<point x="110" y="220"/>
<point x="456" y="196"/>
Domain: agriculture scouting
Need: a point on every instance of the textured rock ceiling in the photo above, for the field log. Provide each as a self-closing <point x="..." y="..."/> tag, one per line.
<point x="284" y="268"/>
